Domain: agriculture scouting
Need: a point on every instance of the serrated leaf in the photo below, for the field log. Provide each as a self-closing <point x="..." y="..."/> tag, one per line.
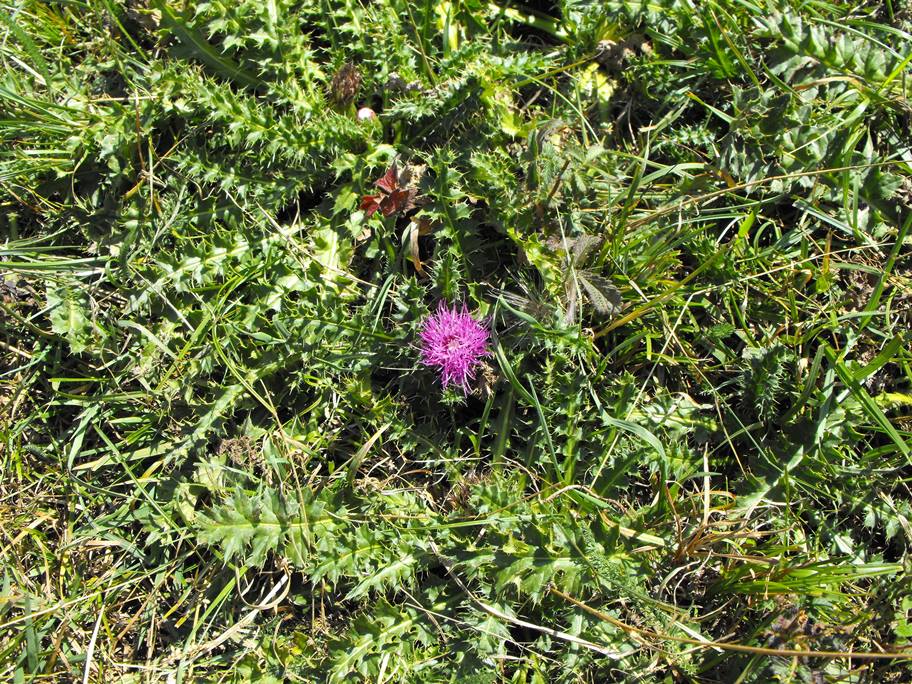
<point x="69" y="314"/>
<point x="252" y="526"/>
<point x="399" y="572"/>
<point x="583" y="247"/>
<point x="605" y="297"/>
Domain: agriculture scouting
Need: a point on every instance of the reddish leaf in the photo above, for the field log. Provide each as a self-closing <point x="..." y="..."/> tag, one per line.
<point x="390" y="180"/>
<point x="370" y="204"/>
<point x="395" y="202"/>
<point x="393" y="198"/>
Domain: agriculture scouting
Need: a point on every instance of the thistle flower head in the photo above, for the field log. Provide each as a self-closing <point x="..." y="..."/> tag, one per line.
<point x="454" y="343"/>
<point x="345" y="84"/>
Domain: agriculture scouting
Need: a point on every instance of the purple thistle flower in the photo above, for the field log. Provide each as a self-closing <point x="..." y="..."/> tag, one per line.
<point x="454" y="343"/>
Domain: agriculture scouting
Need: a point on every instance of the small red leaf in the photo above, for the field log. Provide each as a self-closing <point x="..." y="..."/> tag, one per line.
<point x="396" y="201"/>
<point x="370" y="204"/>
<point x="390" y="180"/>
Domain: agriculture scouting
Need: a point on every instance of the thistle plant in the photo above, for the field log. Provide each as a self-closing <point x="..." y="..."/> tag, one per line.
<point x="454" y="343"/>
<point x="219" y="222"/>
